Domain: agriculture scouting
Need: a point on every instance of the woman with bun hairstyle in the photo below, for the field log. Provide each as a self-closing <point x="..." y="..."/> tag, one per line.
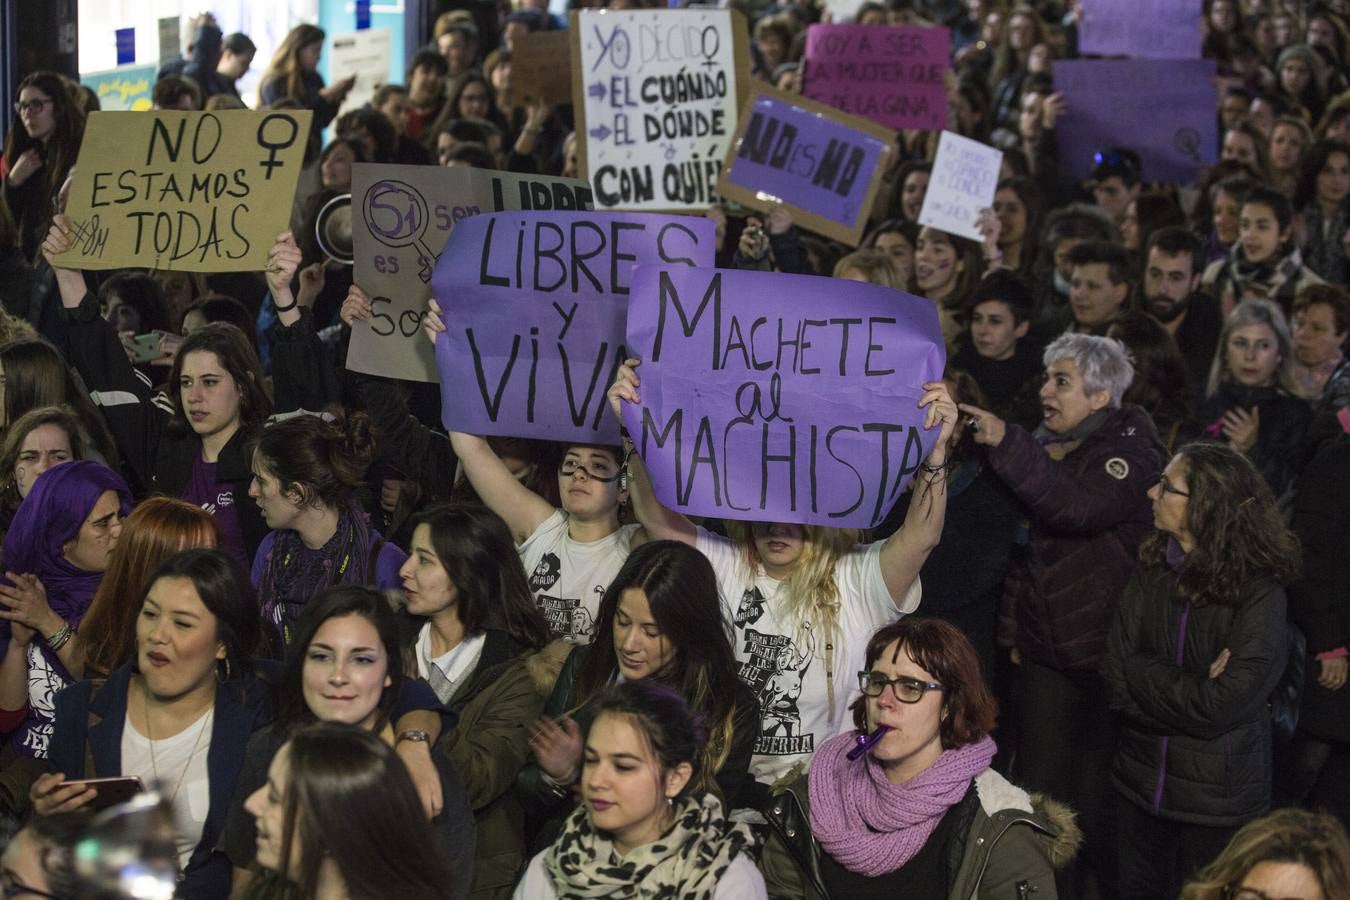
<point x="308" y="473"/>
<point x="646" y="826"/>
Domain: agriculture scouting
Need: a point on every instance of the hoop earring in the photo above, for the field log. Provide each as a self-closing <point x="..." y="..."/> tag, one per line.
<point x="220" y="680"/>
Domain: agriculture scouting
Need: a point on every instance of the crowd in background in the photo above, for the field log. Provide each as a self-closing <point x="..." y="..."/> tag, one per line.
<point x="1099" y="649"/>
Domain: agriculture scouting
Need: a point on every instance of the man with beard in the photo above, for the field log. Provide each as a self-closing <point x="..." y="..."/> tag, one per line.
<point x="1172" y="269"/>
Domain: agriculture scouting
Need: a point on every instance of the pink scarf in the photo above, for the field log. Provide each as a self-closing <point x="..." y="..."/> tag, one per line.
<point x="871" y="826"/>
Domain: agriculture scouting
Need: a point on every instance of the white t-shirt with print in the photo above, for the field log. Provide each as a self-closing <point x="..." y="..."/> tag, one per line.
<point x="569" y="577"/>
<point x="787" y="668"/>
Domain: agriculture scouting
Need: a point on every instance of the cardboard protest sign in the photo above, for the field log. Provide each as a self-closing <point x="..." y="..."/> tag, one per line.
<point x="893" y="76"/>
<point x="825" y="166"/>
<point x="759" y="404"/>
<point x="401" y="218"/>
<point x="541" y="68"/>
<point x="1144" y="29"/>
<point x="364" y="54"/>
<point x="535" y="306"/>
<point x="192" y="191"/>
<point x="964" y="179"/>
<point x="1162" y="109"/>
<point x="124" y="88"/>
<point x="656" y="98"/>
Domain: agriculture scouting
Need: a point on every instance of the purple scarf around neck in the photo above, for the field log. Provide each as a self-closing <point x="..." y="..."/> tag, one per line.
<point x="873" y="827"/>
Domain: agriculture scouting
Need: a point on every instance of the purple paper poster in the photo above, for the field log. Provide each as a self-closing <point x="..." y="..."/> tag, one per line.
<point x="1144" y="29"/>
<point x="1162" y="109"/>
<point x="760" y="403"/>
<point x="534" y="306"/>
<point x="893" y="76"/>
<point x="793" y="154"/>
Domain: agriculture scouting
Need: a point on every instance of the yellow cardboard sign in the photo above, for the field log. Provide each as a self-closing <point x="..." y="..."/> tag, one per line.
<point x="192" y="191"/>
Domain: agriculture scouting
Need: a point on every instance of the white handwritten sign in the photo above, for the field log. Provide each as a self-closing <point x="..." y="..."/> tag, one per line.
<point x="965" y="176"/>
<point x="657" y="91"/>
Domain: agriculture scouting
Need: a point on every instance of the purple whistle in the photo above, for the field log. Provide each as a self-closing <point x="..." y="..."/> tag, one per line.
<point x="867" y="741"/>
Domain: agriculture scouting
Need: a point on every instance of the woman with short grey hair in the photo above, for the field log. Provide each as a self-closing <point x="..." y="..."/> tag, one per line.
<point x="1082" y="476"/>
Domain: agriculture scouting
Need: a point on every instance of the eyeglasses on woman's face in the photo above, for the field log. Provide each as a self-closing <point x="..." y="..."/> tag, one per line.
<point x="36" y="105"/>
<point x="906" y="690"/>
<point x="1169" y="488"/>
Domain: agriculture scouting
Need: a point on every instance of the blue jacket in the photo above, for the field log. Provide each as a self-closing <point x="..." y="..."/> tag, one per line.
<point x="87" y="743"/>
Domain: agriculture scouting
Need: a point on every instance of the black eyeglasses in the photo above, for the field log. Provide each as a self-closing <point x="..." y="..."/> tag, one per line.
<point x="570" y="467"/>
<point x="1237" y="892"/>
<point x="32" y="106"/>
<point x="1169" y="488"/>
<point x="906" y="690"/>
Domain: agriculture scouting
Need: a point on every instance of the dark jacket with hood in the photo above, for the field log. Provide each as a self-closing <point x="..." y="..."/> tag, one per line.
<point x="1089" y="513"/>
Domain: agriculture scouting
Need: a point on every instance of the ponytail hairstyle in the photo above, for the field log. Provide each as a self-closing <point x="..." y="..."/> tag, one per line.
<point x="323" y="460"/>
<point x="474" y="547"/>
<point x="668" y="725"/>
<point x="236" y="355"/>
<point x="681" y="590"/>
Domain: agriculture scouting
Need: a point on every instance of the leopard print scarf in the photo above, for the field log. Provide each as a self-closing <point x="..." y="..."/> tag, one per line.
<point x="685" y="863"/>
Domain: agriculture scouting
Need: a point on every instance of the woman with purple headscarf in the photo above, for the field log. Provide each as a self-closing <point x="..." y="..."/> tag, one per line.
<point x="55" y="554"/>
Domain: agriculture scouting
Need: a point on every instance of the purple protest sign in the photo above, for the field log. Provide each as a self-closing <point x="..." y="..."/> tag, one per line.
<point x="1144" y="29"/>
<point x="1117" y="102"/>
<point x="820" y="162"/>
<point x="534" y="306"/>
<point x="759" y="404"/>
<point x="893" y="76"/>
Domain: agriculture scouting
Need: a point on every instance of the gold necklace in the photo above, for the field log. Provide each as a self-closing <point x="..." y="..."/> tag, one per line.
<point x="196" y="744"/>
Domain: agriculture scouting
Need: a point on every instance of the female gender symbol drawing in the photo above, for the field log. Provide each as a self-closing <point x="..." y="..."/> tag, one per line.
<point x="397" y="216"/>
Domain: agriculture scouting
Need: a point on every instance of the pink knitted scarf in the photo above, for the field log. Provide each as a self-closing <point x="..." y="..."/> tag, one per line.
<point x="871" y="826"/>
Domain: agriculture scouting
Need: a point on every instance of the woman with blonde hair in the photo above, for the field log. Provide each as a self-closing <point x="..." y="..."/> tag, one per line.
<point x="804" y="598"/>
<point x="1289" y="853"/>
<point x="871" y="266"/>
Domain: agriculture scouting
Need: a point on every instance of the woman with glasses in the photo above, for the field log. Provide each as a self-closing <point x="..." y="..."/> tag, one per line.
<point x="44" y="140"/>
<point x="1290" y="854"/>
<point x="1197" y="646"/>
<point x="905" y="804"/>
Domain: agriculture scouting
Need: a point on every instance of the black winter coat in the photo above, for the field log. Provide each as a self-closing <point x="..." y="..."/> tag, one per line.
<point x="156" y="462"/>
<point x="1319" y="602"/>
<point x="1278" y="453"/>
<point x="1089" y="513"/>
<point x="1194" y="748"/>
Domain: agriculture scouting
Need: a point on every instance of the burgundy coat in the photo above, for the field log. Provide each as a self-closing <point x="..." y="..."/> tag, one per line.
<point x="1089" y="513"/>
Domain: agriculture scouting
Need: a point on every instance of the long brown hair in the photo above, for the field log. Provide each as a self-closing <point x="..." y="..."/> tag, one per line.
<point x="681" y="590"/>
<point x="285" y="65"/>
<point x="236" y="354"/>
<point x="157" y="528"/>
<point x="63" y="146"/>
<point x="350" y="799"/>
<point x="1235" y="521"/>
